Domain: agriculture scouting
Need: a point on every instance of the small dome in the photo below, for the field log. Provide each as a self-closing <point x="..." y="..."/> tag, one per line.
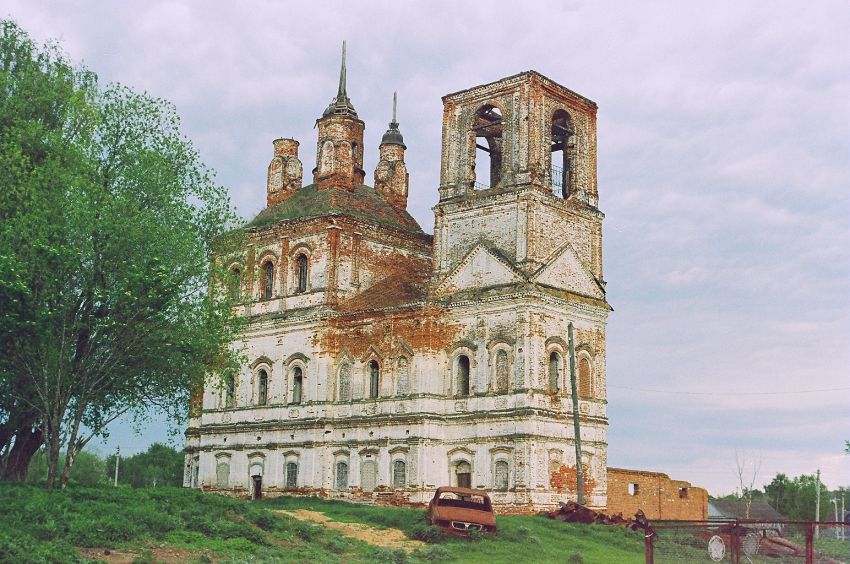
<point x="393" y="136"/>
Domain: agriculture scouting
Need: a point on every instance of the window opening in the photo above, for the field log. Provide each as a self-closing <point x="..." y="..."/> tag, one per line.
<point x="683" y="493"/>
<point x="487" y="132"/>
<point x="222" y="474"/>
<point x="345" y="382"/>
<point x="634" y="488"/>
<point x="463" y="474"/>
<point x="563" y="154"/>
<point x="584" y="387"/>
<point x="291" y="474"/>
<point x="403" y="377"/>
<point x="463" y="375"/>
<point x="235" y="281"/>
<point x="367" y="475"/>
<point x="502" y="371"/>
<point x="229" y="391"/>
<point x="374" y="379"/>
<point x="399" y="474"/>
<point x="341" y="475"/>
<point x="554" y="371"/>
<point x="501" y="475"/>
<point x="268" y="279"/>
<point x="263" y="388"/>
<point x="297" y="384"/>
<point x="301" y="262"/>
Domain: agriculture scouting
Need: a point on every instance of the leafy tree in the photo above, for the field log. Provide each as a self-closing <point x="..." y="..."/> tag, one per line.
<point x="160" y="465"/>
<point x="107" y="226"/>
<point x="89" y="470"/>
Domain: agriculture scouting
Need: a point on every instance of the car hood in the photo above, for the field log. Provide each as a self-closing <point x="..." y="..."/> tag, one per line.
<point x="463" y="514"/>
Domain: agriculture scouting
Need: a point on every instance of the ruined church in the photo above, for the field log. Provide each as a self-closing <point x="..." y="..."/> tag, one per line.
<point x="383" y="361"/>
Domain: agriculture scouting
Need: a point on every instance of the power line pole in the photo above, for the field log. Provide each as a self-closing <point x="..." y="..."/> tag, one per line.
<point x="576" y="426"/>
<point x="117" y="457"/>
<point x="817" y="505"/>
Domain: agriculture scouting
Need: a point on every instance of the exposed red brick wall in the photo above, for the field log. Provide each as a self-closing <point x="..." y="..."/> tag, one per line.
<point x="658" y="496"/>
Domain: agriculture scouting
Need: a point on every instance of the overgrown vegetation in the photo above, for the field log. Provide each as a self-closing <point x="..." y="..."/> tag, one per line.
<point x="46" y="526"/>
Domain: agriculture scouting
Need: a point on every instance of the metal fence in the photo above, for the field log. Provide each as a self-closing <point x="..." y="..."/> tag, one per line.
<point x="748" y="542"/>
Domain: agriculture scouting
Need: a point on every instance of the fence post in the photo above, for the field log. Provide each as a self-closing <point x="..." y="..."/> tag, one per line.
<point x="734" y="540"/>
<point x="810" y="543"/>
<point x="648" y="546"/>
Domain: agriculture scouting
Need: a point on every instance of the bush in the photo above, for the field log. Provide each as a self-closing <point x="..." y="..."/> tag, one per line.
<point x="427" y="532"/>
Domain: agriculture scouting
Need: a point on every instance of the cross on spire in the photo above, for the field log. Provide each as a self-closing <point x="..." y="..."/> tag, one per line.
<point x="393" y="135"/>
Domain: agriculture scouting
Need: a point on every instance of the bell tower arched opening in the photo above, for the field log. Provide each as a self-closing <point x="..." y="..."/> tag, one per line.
<point x="563" y="154"/>
<point x="487" y="133"/>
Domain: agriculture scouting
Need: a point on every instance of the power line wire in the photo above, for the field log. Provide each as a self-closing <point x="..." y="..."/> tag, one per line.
<point x="683" y="393"/>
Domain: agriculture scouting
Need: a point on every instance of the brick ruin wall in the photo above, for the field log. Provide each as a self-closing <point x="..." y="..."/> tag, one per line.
<point x="657" y="496"/>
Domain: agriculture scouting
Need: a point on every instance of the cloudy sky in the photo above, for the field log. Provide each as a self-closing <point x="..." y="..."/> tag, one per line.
<point x="724" y="166"/>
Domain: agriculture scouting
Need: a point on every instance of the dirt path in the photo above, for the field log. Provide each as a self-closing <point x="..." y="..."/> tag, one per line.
<point x="386" y="538"/>
<point x="160" y="554"/>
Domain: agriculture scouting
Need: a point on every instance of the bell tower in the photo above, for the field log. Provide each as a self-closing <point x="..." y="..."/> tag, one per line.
<point x="339" y="151"/>
<point x="518" y="175"/>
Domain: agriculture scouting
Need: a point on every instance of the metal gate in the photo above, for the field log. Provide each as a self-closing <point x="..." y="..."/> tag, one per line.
<point x="748" y="542"/>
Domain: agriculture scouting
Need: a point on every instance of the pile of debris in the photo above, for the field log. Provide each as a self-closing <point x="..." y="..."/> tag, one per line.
<point x="572" y="512"/>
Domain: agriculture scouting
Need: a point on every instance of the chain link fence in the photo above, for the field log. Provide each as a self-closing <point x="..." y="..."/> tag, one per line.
<point x="748" y="542"/>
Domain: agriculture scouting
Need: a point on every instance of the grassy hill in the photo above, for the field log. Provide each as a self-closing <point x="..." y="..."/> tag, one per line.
<point x="185" y="525"/>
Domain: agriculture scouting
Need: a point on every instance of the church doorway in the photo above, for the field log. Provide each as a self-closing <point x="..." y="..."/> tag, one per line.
<point x="258" y="487"/>
<point x="368" y="476"/>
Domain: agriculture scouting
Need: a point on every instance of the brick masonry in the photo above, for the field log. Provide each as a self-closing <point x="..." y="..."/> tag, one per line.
<point x="657" y="496"/>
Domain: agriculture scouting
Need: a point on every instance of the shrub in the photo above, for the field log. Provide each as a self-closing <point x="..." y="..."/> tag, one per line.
<point x="427" y="532"/>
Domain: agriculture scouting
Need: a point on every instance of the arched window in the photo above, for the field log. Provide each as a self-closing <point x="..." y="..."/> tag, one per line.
<point x="463" y="375"/>
<point x="487" y="132"/>
<point x="291" y="474"/>
<point x="403" y="377"/>
<point x="374" y="379"/>
<point x="344" y="382"/>
<point x="500" y="475"/>
<point x="463" y="474"/>
<point x="235" y="283"/>
<point x="554" y="371"/>
<point x="262" y="387"/>
<point x="399" y="474"/>
<point x="368" y="475"/>
<point x="268" y="279"/>
<point x="341" y="475"/>
<point x="563" y="153"/>
<point x="301" y="271"/>
<point x="327" y="162"/>
<point x="222" y="473"/>
<point x="585" y="389"/>
<point x="502" y="376"/>
<point x="297" y="384"/>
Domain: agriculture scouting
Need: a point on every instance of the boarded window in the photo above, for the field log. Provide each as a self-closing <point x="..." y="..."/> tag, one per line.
<point x="291" y="474"/>
<point x="399" y="474"/>
<point x="301" y="266"/>
<point x="585" y="390"/>
<point x="502" y="376"/>
<point x="403" y="377"/>
<point x="222" y="474"/>
<point x="374" y="379"/>
<point x="368" y="475"/>
<point x="268" y="279"/>
<point x="341" y="475"/>
<point x="554" y="372"/>
<point x="463" y="375"/>
<point x="297" y="384"/>
<point x="463" y="474"/>
<point x="500" y="480"/>
<point x="345" y="382"/>
<point x="263" y="388"/>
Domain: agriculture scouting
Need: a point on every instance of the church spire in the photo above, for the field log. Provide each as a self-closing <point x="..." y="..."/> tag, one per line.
<point x="393" y="135"/>
<point x="341" y="104"/>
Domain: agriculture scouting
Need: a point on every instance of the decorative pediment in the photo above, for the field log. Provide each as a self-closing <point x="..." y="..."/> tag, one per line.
<point x="481" y="268"/>
<point x="566" y="272"/>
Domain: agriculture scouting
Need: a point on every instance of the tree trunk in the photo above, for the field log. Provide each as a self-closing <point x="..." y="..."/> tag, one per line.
<point x="27" y="443"/>
<point x="53" y="442"/>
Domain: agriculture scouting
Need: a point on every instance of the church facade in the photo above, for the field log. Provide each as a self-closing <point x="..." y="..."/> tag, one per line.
<point x="383" y="362"/>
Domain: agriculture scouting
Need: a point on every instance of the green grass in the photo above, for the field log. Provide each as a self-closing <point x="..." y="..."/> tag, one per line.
<point x="42" y="526"/>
